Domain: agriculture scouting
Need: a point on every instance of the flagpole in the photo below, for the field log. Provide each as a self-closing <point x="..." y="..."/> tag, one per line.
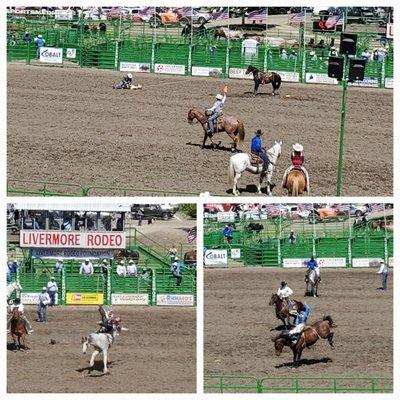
<point x="227" y="51"/>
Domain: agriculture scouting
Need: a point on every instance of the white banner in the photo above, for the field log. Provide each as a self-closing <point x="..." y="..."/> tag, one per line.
<point x="216" y="258"/>
<point x="389" y="31"/>
<point x="32" y="298"/>
<point x="175" y="300"/>
<point x="366" y="262"/>
<point x="51" y="55"/>
<point x="390" y="262"/>
<point x="72" y="239"/>
<point x="64" y="14"/>
<point x="320" y="78"/>
<point x="367" y="82"/>
<point x="169" y="69"/>
<point x="294" y="262"/>
<point x="134" y="66"/>
<point x="137" y="299"/>
<point x="235" y="253"/>
<point x="389" y="83"/>
<point x="207" y="71"/>
<point x="226" y="216"/>
<point x="332" y="262"/>
<point x="71" y="53"/>
<point x="240" y="73"/>
<point x="289" y="76"/>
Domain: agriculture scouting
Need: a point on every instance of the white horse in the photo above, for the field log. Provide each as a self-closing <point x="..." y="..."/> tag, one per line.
<point x="240" y="162"/>
<point x="312" y="279"/>
<point x="12" y="287"/>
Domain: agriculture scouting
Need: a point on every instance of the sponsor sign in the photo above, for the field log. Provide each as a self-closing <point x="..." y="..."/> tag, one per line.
<point x="52" y="55"/>
<point x="320" y="78"/>
<point x="367" y="82"/>
<point x="137" y="299"/>
<point x="134" y="66"/>
<point x="366" y="262"/>
<point x="174" y="69"/>
<point x="207" y="71"/>
<point x="389" y="31"/>
<point x="294" y="262"/>
<point x="72" y="239"/>
<point x="64" y="14"/>
<point x="226" y="217"/>
<point x="216" y="257"/>
<point x="32" y="298"/>
<point x="389" y="83"/>
<point x="332" y="262"/>
<point x="235" y="253"/>
<point x="71" y="254"/>
<point x="175" y="300"/>
<point x="390" y="262"/>
<point x="240" y="73"/>
<point x="85" y="298"/>
<point x="71" y="53"/>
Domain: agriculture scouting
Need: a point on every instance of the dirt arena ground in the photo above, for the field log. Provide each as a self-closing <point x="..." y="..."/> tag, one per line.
<point x="69" y="125"/>
<point x="157" y="354"/>
<point x="238" y="319"/>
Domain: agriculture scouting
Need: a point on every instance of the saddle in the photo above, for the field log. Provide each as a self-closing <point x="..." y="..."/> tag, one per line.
<point x="256" y="160"/>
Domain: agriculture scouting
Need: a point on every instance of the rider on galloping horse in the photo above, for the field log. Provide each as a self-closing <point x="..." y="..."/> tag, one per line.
<point x="216" y="110"/>
<point x="312" y="265"/>
<point x="107" y="321"/>
<point x="18" y="305"/>
<point x="300" y="323"/>
<point x="297" y="160"/>
<point x="284" y="292"/>
<point x="258" y="150"/>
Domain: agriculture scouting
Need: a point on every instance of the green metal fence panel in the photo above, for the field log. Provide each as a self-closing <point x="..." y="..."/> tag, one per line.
<point x="130" y="284"/>
<point x="327" y="247"/>
<point x="135" y="51"/>
<point x="203" y="56"/>
<point x="171" y="53"/>
<point x="75" y="282"/>
<point x="231" y="384"/>
<point x="368" y="247"/>
<point x="303" y="248"/>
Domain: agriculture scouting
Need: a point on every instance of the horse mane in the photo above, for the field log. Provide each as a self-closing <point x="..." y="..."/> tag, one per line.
<point x="329" y="319"/>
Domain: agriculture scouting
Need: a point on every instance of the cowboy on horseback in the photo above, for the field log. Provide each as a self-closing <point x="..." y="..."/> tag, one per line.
<point x="297" y="160"/>
<point x="20" y="307"/>
<point x="312" y="265"/>
<point x="108" y="321"/>
<point x="259" y="151"/>
<point x="284" y="292"/>
<point x="300" y="323"/>
<point x="216" y="110"/>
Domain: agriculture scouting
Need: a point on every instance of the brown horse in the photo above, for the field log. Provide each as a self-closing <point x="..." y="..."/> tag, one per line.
<point x="190" y="257"/>
<point x="127" y="253"/>
<point x="18" y="332"/>
<point x="282" y="308"/>
<point x="309" y="336"/>
<point x="232" y="126"/>
<point x="296" y="183"/>
<point x="264" y="77"/>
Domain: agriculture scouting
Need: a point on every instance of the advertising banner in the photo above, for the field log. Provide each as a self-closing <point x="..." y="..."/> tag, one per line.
<point x="71" y="53"/>
<point x="235" y="253"/>
<point x="312" y="77"/>
<point x="134" y="66"/>
<point x="72" y="254"/>
<point x="137" y="299"/>
<point x="240" y="73"/>
<point x="389" y="83"/>
<point x="51" y="55"/>
<point x="175" y="300"/>
<point x="332" y="262"/>
<point x="85" y="298"/>
<point x="294" y="262"/>
<point x="173" y="69"/>
<point x="366" y="82"/>
<point x="366" y="262"/>
<point x="207" y="71"/>
<point x="216" y="258"/>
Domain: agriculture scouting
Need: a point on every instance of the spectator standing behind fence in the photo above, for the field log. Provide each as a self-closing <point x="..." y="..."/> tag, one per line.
<point x="292" y="237"/>
<point x="27" y="38"/>
<point x="121" y="269"/>
<point x="366" y="55"/>
<point x="52" y="290"/>
<point x="172" y="253"/>
<point x="175" y="270"/>
<point x="283" y="54"/>
<point x="228" y="233"/>
<point x="293" y="56"/>
<point x="12" y="270"/>
<point x="86" y="268"/>
<point x="383" y="271"/>
<point x="131" y="268"/>
<point x="104" y="267"/>
<point x="40" y="42"/>
<point x="59" y="266"/>
<point x="43" y="302"/>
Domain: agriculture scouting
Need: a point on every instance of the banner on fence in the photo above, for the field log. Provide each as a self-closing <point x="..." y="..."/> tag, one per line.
<point x="332" y="262"/>
<point x="72" y="254"/>
<point x="134" y="66"/>
<point x="71" y="53"/>
<point x="390" y="262"/>
<point x="64" y="14"/>
<point x="32" y="298"/>
<point x="240" y="73"/>
<point x="216" y="258"/>
<point x="175" y="300"/>
<point x="389" y="31"/>
<point x="136" y="299"/>
<point x="389" y="83"/>
<point x="226" y="216"/>
<point x="207" y="71"/>
<point x="58" y="239"/>
<point x="174" y="69"/>
<point x="52" y="55"/>
<point x="85" y="298"/>
<point x="366" y="262"/>
<point x="235" y="253"/>
<point x="294" y="262"/>
<point x="367" y="82"/>
<point x="320" y="78"/>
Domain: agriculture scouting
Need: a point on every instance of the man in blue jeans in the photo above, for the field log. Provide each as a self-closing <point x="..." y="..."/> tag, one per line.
<point x="383" y="270"/>
<point x="258" y="150"/>
<point x="228" y="233"/>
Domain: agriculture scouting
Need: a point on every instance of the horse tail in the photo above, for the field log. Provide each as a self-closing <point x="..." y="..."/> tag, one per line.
<point x="277" y="83"/>
<point x="240" y="132"/>
<point x="295" y="187"/>
<point x="329" y="319"/>
<point x="231" y="172"/>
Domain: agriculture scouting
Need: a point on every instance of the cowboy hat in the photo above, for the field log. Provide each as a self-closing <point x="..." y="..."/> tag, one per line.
<point x="219" y="96"/>
<point x="297" y="147"/>
<point x="130" y="76"/>
<point x="259" y="132"/>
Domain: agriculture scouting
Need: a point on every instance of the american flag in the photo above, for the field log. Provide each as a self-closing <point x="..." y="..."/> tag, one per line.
<point x="223" y="14"/>
<point x="192" y="234"/>
<point x="343" y="207"/>
<point x="258" y="15"/>
<point x="334" y="20"/>
<point x="298" y="18"/>
<point x="377" y="207"/>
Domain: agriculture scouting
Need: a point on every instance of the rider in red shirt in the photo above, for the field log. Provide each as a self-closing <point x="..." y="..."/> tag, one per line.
<point x="297" y="159"/>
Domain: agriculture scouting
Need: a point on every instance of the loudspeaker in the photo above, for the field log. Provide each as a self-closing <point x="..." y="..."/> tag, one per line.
<point x="356" y="69"/>
<point x="348" y="43"/>
<point x="335" y="68"/>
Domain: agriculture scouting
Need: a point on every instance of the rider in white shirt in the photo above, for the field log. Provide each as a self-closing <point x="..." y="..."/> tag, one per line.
<point x="17" y="304"/>
<point x="86" y="268"/>
<point x="284" y="292"/>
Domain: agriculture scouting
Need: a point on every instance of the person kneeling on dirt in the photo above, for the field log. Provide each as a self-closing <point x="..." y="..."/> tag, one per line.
<point x="284" y="292"/>
<point x="300" y="323"/>
<point x="312" y="265"/>
<point x="17" y="304"/>
<point x="297" y="160"/>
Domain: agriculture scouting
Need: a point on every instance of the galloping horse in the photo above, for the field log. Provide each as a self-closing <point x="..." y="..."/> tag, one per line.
<point x="296" y="183"/>
<point x="312" y="283"/>
<point x="17" y="330"/>
<point x="309" y="336"/>
<point x="241" y="162"/>
<point x="264" y="77"/>
<point x="11" y="288"/>
<point x="232" y="126"/>
<point x="282" y="308"/>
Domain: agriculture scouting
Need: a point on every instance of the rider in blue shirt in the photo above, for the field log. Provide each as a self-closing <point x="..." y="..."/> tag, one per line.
<point x="258" y="150"/>
<point x="228" y="233"/>
<point x="300" y="322"/>
<point x="312" y="265"/>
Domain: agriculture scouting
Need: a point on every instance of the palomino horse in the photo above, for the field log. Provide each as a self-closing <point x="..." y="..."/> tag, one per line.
<point x="309" y="336"/>
<point x="241" y="162"/>
<point x="18" y="332"/>
<point x="312" y="280"/>
<point x="296" y="183"/>
<point x="232" y="126"/>
<point x="11" y="288"/>
<point x="264" y="77"/>
<point x="190" y="257"/>
<point x="282" y="308"/>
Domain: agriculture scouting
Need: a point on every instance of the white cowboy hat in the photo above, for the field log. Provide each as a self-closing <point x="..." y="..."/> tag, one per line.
<point x="52" y="278"/>
<point x="297" y="147"/>
<point x="121" y="262"/>
<point x="283" y="51"/>
<point x="44" y="288"/>
<point x="130" y="261"/>
<point x="60" y="259"/>
<point x="312" y="53"/>
<point x="219" y="96"/>
<point x="104" y="260"/>
<point x="333" y="48"/>
<point x="130" y="76"/>
<point x="86" y="259"/>
<point x="382" y="261"/>
<point x="40" y="36"/>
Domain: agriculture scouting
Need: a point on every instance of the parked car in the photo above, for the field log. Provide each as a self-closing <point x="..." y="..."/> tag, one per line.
<point x="357" y="210"/>
<point x="197" y="16"/>
<point x="326" y="213"/>
<point x="152" y="211"/>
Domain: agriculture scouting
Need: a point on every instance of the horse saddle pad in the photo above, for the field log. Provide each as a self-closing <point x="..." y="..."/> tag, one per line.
<point x="255" y="159"/>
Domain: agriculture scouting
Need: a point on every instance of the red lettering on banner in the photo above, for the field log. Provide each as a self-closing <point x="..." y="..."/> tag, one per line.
<point x="42" y="238"/>
<point x="89" y="241"/>
<point x="56" y="238"/>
